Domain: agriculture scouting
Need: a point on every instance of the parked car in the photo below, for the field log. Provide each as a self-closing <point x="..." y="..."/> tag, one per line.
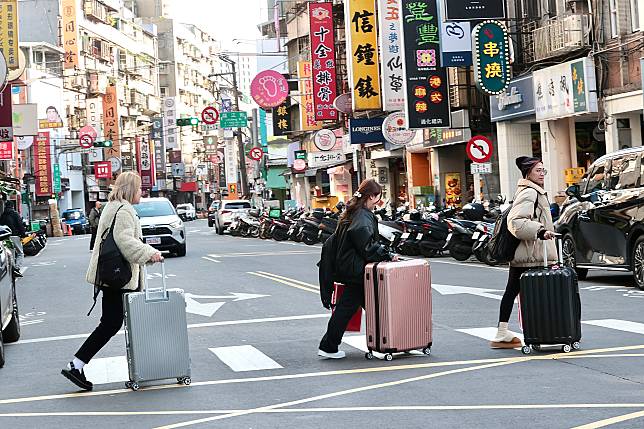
<point x="227" y="211"/>
<point x="602" y="221"/>
<point x="186" y="211"/>
<point x="161" y="225"/>
<point x="77" y="220"/>
<point x="9" y="318"/>
<point x="212" y="212"/>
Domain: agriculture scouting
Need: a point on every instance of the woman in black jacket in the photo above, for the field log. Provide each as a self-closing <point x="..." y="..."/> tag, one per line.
<point x="357" y="245"/>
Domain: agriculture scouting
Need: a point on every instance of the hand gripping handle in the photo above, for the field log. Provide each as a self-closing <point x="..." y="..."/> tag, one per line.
<point x="155" y="294"/>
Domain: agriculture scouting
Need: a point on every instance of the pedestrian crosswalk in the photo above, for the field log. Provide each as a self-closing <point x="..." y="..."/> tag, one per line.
<point x="247" y="357"/>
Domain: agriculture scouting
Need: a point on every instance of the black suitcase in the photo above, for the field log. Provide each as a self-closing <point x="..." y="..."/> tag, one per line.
<point x="550" y="307"/>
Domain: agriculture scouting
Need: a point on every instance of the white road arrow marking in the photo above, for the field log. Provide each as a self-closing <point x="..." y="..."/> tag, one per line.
<point x="235" y="296"/>
<point x="458" y="290"/>
<point x="206" y="310"/>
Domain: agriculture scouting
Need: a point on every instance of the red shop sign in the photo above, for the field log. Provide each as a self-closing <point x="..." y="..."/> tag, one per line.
<point x="323" y="60"/>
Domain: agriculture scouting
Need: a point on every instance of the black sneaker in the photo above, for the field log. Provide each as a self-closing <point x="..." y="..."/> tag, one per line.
<point x="77" y="377"/>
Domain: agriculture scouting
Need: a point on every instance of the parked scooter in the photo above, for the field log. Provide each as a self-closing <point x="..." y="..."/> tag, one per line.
<point x="482" y="237"/>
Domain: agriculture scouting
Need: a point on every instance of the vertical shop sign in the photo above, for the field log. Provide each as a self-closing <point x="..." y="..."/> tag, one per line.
<point x="231" y="163"/>
<point x="393" y="97"/>
<point x="362" y="44"/>
<point x="159" y="147"/>
<point x="111" y="122"/>
<point x="145" y="162"/>
<point x="6" y="124"/>
<point x="42" y="165"/>
<point x="305" y="87"/>
<point x="425" y="83"/>
<point x="282" y="119"/>
<point x="170" y="124"/>
<point x="491" y="57"/>
<point x="323" y="60"/>
<point x="70" y="34"/>
<point x="456" y="44"/>
<point x="9" y="32"/>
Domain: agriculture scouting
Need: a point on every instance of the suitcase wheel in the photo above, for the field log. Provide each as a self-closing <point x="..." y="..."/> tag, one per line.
<point x="184" y="380"/>
<point x="536" y="347"/>
<point x="526" y="350"/>
<point x="389" y="357"/>
<point x="566" y="348"/>
<point x="368" y="355"/>
<point x="427" y="351"/>
<point x="132" y="385"/>
<point x="576" y="345"/>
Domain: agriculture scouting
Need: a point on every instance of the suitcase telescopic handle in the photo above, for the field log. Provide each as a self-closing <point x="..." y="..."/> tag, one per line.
<point x="156" y="294"/>
<point x="559" y="253"/>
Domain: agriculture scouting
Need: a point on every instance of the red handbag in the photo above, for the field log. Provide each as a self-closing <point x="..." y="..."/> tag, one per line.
<point x="356" y="321"/>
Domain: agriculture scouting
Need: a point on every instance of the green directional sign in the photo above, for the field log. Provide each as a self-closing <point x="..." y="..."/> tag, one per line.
<point x="233" y="120"/>
<point x="57" y="187"/>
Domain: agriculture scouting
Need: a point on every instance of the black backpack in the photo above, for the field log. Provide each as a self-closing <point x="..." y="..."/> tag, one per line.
<point x="503" y="243"/>
<point x="326" y="269"/>
<point x="113" y="271"/>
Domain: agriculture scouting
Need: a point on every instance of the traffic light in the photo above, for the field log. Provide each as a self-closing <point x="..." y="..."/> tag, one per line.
<point x="186" y="122"/>
<point x="106" y="143"/>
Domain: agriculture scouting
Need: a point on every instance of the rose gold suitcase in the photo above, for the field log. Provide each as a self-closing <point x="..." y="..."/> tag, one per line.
<point x="398" y="302"/>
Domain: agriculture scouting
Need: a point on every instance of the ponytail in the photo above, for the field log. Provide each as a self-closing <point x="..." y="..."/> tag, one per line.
<point x="367" y="189"/>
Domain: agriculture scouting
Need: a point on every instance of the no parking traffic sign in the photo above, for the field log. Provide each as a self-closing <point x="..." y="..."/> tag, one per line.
<point x="210" y="115"/>
<point x="479" y="149"/>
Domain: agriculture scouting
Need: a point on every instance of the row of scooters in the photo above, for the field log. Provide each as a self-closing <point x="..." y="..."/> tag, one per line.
<point x="429" y="232"/>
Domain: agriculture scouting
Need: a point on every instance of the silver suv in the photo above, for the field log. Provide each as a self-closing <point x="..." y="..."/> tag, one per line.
<point x="227" y="211"/>
<point x="162" y="227"/>
<point x="9" y="318"/>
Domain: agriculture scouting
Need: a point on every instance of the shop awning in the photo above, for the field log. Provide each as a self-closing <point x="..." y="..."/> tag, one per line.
<point x="189" y="187"/>
<point x="275" y="179"/>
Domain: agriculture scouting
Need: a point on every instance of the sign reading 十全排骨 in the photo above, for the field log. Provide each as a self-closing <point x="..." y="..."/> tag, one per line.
<point x="323" y="60"/>
<point x="490" y="43"/>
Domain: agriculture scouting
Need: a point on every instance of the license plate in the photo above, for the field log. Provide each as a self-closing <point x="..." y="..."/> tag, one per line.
<point x="483" y="237"/>
<point x="476" y="235"/>
<point x="419" y="237"/>
<point x="153" y="240"/>
<point x="405" y="236"/>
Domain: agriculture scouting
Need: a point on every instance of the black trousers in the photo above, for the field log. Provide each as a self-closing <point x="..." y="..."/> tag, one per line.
<point x="110" y="324"/>
<point x="352" y="298"/>
<point x="511" y="292"/>
<point x="93" y="239"/>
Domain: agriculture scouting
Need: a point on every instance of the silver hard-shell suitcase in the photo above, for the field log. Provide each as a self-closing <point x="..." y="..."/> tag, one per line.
<point x="156" y="335"/>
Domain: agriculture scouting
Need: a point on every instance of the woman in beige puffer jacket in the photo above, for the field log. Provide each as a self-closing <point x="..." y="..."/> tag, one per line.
<point x="530" y="221"/>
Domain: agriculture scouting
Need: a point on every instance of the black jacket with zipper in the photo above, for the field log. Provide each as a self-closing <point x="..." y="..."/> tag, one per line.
<point x="358" y="245"/>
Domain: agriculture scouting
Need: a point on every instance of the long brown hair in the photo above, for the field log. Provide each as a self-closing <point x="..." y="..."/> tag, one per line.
<point x="367" y="189"/>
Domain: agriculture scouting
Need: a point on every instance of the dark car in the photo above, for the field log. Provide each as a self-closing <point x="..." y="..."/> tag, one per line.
<point x="212" y="212"/>
<point x="77" y="220"/>
<point x="9" y="315"/>
<point x="602" y="219"/>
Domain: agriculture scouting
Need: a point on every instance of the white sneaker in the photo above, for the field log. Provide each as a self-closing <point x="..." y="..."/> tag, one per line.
<point x="337" y="355"/>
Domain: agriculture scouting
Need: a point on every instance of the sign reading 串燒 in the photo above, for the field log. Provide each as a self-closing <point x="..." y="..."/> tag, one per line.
<point x="425" y="83"/>
<point x="362" y="44"/>
<point x="323" y="60"/>
<point x="490" y="43"/>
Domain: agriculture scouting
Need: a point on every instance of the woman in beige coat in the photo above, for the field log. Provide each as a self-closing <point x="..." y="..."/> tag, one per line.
<point x="128" y="237"/>
<point x="530" y="221"/>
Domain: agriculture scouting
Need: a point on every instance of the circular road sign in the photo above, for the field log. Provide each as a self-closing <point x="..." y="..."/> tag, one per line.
<point x="210" y="115"/>
<point x="479" y="149"/>
<point x="256" y="153"/>
<point x="87" y="135"/>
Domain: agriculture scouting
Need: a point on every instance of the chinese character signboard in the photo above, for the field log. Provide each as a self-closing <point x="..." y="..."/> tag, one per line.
<point x="269" y="88"/>
<point x="305" y="87"/>
<point x="474" y="10"/>
<point x="70" y="33"/>
<point x="425" y="83"/>
<point x="103" y="170"/>
<point x="323" y="60"/>
<point x="145" y="161"/>
<point x="234" y="119"/>
<point x="6" y="127"/>
<point x="456" y="44"/>
<point x="42" y="165"/>
<point x="231" y="163"/>
<point x="170" y="123"/>
<point x="159" y="147"/>
<point x="111" y="122"/>
<point x="564" y="90"/>
<point x="435" y="137"/>
<point x="393" y="97"/>
<point x="57" y="181"/>
<point x="9" y="32"/>
<point x="6" y="150"/>
<point x="321" y="159"/>
<point x="362" y="44"/>
<point x="491" y="57"/>
<point x="282" y="119"/>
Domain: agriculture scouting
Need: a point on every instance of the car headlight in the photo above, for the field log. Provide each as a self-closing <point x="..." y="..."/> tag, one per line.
<point x="176" y="224"/>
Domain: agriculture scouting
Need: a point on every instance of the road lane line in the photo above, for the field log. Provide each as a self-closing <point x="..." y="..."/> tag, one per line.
<point x="329" y="410"/>
<point x="617" y="324"/>
<point x="463" y="264"/>
<point x="107" y="370"/>
<point x="366" y="370"/>
<point x="191" y="326"/>
<point x="253" y="254"/>
<point x="611" y="421"/>
<point x="284" y="282"/>
<point x="210" y="259"/>
<point x="289" y="279"/>
<point x="244" y="358"/>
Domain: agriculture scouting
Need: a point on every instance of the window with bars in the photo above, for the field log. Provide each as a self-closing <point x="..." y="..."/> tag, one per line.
<point x="613" y="16"/>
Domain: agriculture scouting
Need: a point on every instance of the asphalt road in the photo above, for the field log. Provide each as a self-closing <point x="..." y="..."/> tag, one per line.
<point x="255" y="321"/>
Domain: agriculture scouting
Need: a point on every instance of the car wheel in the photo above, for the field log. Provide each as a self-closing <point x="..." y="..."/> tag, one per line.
<point x="210" y="224"/>
<point x="569" y="257"/>
<point x="220" y="229"/>
<point x="12" y="333"/>
<point x="181" y="250"/>
<point x="638" y="263"/>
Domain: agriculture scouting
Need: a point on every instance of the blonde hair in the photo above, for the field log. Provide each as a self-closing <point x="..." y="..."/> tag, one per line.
<point x="126" y="186"/>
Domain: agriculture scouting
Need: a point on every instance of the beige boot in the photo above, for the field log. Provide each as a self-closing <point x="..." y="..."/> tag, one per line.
<point x="505" y="339"/>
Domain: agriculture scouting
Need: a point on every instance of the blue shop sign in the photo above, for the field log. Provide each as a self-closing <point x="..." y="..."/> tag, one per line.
<point x="515" y="102"/>
<point x="366" y="130"/>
